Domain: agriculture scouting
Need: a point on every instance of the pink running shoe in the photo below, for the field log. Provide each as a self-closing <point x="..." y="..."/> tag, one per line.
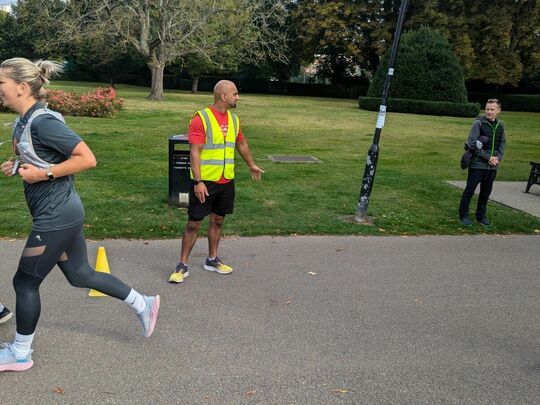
<point x="9" y="361"/>
<point x="148" y="316"/>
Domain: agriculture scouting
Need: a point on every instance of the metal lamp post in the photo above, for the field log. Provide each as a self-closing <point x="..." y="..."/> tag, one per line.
<point x="373" y="153"/>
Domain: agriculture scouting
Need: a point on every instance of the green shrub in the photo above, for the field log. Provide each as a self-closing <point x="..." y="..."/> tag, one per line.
<point x="510" y="102"/>
<point x="422" y="107"/>
<point x="100" y="102"/>
<point x="426" y="69"/>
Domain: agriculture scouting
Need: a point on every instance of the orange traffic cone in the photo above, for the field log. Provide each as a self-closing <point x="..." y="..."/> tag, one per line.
<point x="103" y="267"/>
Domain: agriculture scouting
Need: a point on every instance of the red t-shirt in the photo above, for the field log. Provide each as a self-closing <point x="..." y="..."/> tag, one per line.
<point x="197" y="135"/>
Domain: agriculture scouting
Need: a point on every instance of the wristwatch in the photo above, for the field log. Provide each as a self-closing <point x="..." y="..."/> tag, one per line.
<point x="196" y="181"/>
<point x="50" y="175"/>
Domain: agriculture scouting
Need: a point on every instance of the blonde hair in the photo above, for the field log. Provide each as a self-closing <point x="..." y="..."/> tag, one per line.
<point x="36" y="74"/>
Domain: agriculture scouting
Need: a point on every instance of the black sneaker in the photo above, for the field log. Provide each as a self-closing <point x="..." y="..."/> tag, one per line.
<point x="465" y="221"/>
<point x="5" y="315"/>
<point x="484" y="221"/>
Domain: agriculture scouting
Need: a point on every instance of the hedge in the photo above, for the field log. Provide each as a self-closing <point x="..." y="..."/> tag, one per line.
<point x="510" y="102"/>
<point x="422" y="107"/>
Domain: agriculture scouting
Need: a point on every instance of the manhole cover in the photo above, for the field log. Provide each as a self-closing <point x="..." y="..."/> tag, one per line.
<point x="293" y="159"/>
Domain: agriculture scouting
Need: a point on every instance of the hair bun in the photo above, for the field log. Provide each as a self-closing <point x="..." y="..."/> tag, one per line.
<point x="48" y="69"/>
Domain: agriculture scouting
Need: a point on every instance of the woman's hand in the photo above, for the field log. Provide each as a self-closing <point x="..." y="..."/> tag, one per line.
<point x="32" y="174"/>
<point x="7" y="167"/>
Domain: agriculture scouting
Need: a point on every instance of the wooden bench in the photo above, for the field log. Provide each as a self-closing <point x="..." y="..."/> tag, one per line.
<point x="534" y="177"/>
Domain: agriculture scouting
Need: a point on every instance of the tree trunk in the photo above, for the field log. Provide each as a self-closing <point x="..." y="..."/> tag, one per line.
<point x="194" y="84"/>
<point x="156" y="91"/>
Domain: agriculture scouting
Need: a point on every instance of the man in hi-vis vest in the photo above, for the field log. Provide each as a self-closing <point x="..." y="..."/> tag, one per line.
<point x="214" y="134"/>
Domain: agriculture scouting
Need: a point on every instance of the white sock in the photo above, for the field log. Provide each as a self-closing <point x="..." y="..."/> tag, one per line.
<point x="211" y="258"/>
<point x="22" y="344"/>
<point x="1" y="307"/>
<point x="135" y="301"/>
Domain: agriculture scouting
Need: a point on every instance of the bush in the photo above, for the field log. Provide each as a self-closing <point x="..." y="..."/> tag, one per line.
<point x="65" y="102"/>
<point x="101" y="102"/>
<point x="422" y="107"/>
<point x="510" y="102"/>
<point x="426" y="69"/>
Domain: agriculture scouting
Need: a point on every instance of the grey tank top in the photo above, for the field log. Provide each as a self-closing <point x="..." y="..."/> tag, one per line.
<point x="25" y="146"/>
<point x="54" y="205"/>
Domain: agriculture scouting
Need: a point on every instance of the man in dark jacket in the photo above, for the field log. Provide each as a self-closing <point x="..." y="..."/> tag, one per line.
<point x="487" y="141"/>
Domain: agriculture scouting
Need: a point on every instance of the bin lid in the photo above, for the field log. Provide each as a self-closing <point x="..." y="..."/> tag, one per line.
<point x="180" y="138"/>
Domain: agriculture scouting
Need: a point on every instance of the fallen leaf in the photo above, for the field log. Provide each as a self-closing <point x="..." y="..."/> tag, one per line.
<point x="288" y="302"/>
<point x="250" y="394"/>
<point x="340" y="391"/>
<point x="207" y="397"/>
<point x="339" y="250"/>
<point x="58" y="390"/>
<point x="311" y="273"/>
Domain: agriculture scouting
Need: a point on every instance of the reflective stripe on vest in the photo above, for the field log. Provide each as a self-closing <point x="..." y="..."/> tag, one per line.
<point x="25" y="147"/>
<point x="217" y="155"/>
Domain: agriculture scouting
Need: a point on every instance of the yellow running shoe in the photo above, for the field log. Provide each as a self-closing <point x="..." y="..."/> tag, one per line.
<point x="218" y="266"/>
<point x="179" y="274"/>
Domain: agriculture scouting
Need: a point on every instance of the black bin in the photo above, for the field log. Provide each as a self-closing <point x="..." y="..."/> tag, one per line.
<point x="179" y="178"/>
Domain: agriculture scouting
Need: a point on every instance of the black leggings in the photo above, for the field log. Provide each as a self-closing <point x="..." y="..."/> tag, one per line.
<point x="42" y="252"/>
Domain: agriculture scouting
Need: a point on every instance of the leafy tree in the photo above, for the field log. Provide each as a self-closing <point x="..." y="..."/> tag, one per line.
<point x="450" y="19"/>
<point x="27" y="32"/>
<point x="196" y="65"/>
<point x="344" y="36"/>
<point x="225" y="60"/>
<point x="37" y="35"/>
<point x="164" y="31"/>
<point x="280" y="68"/>
<point x="10" y="44"/>
<point x="505" y="37"/>
<point x="497" y="41"/>
<point x="329" y="33"/>
<point x="99" y="53"/>
<point x="426" y="69"/>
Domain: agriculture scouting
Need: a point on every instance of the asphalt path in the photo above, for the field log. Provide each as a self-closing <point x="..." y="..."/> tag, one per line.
<point x="302" y="320"/>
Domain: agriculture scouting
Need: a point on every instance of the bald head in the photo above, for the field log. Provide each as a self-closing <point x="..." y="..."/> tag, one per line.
<point x="225" y="95"/>
<point x="223" y="86"/>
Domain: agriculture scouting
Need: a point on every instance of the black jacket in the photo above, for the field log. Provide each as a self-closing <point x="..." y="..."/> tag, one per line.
<point x="486" y="139"/>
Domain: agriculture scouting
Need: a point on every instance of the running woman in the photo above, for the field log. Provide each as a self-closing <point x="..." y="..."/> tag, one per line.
<point x="48" y="155"/>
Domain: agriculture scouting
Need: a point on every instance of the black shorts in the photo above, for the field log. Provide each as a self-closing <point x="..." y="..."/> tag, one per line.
<point x="219" y="202"/>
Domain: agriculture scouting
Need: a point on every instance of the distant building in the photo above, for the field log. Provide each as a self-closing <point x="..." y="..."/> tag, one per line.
<point x="5" y="7"/>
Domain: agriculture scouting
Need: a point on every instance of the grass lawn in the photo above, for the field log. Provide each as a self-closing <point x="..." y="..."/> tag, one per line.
<point x="126" y="195"/>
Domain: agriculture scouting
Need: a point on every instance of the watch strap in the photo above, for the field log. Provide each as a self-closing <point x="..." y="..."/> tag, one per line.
<point x="50" y="174"/>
